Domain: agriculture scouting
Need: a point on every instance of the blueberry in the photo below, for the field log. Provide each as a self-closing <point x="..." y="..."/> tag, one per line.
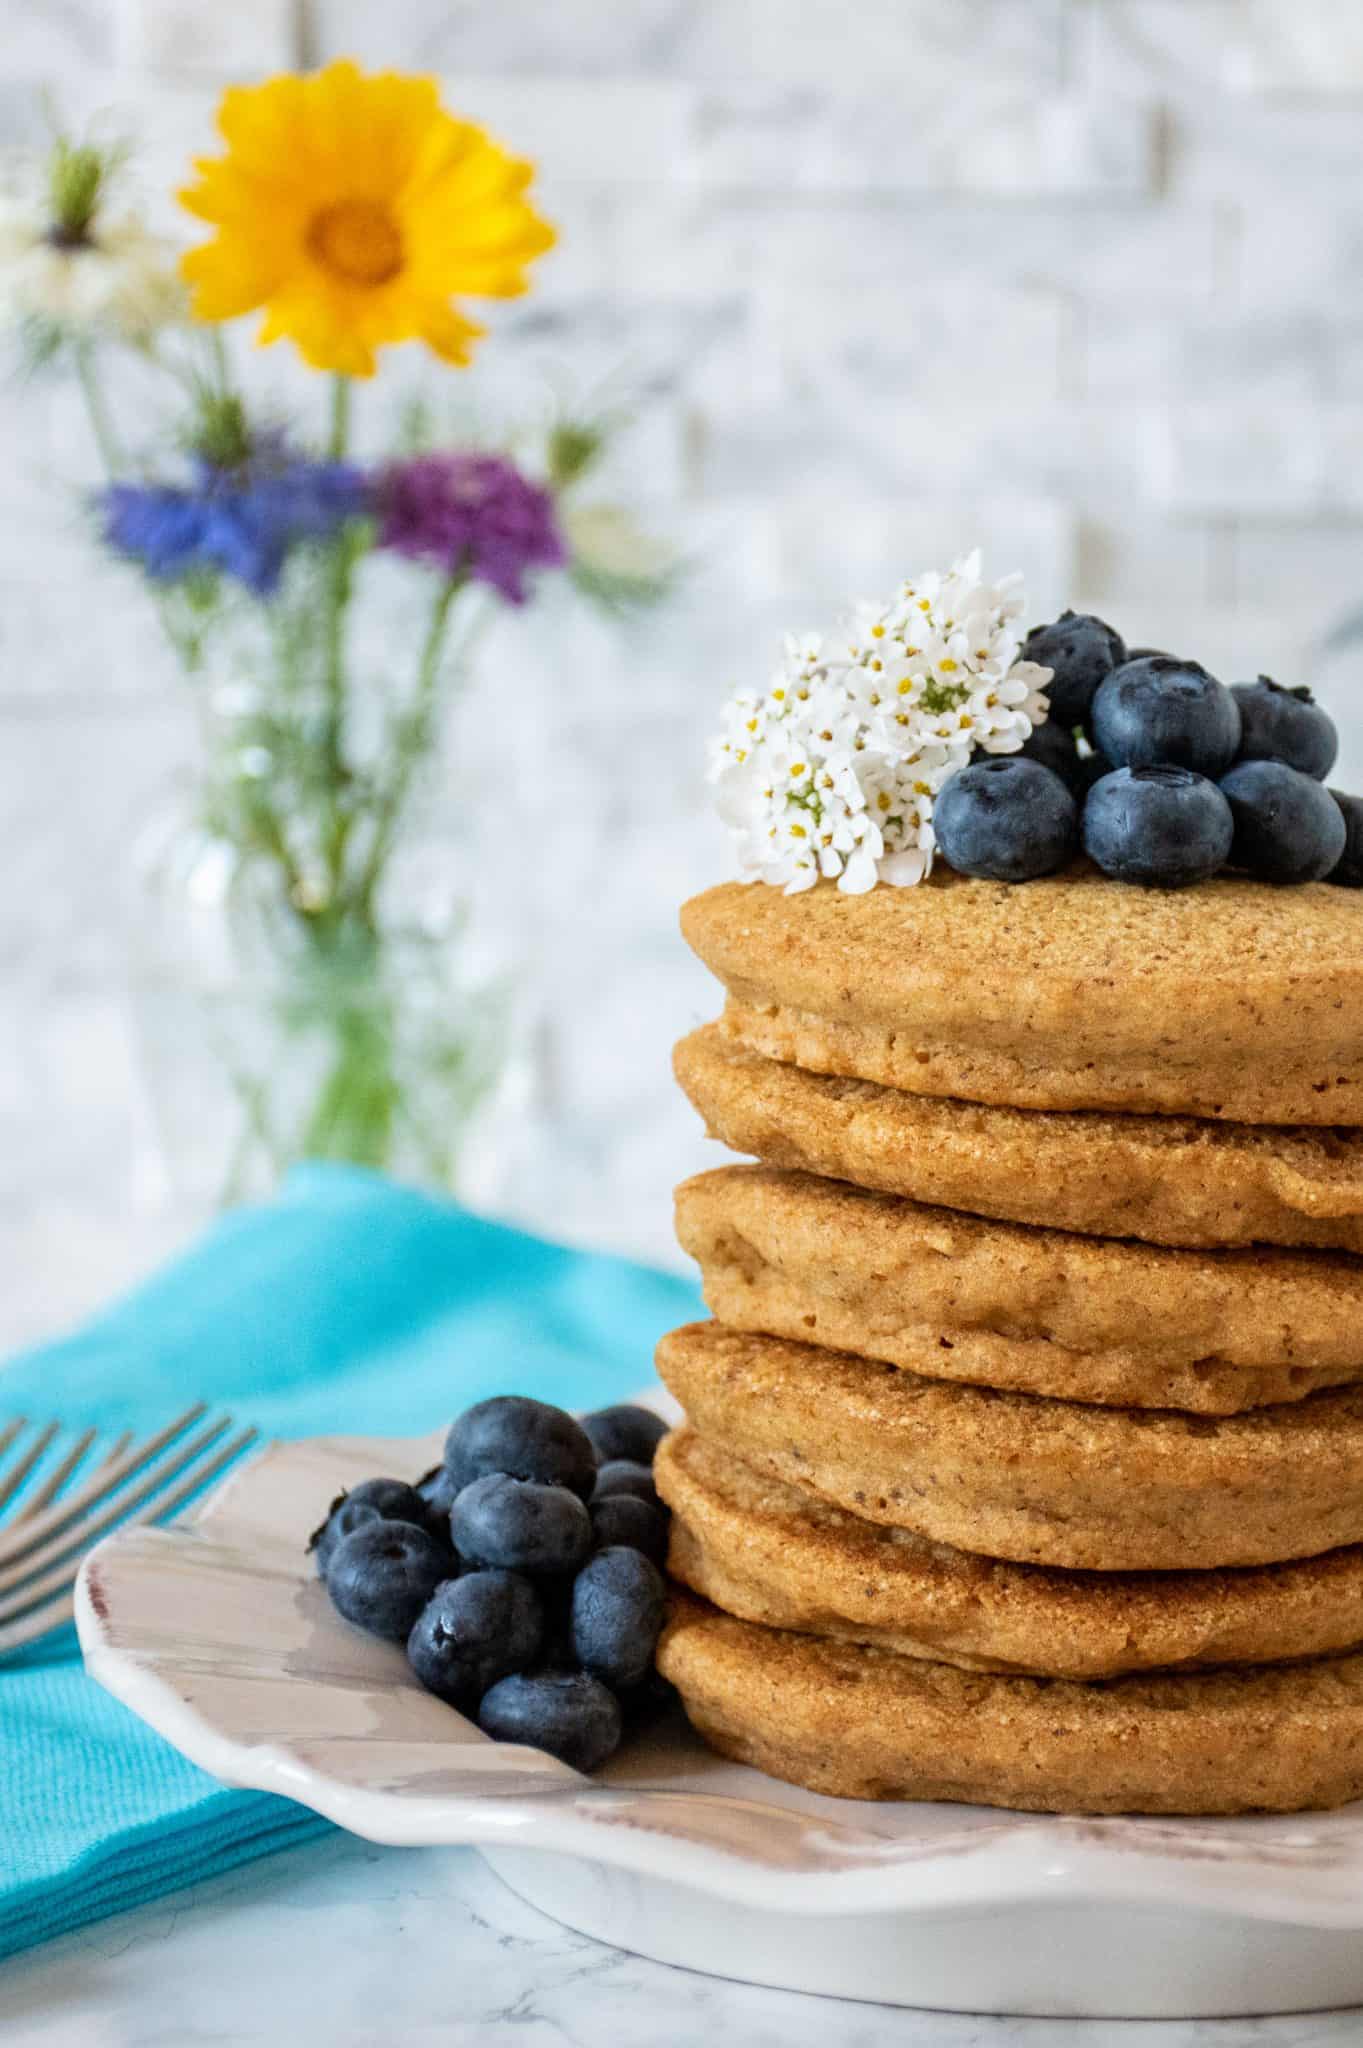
<point x="556" y="1598"/>
<point x="1349" y="869"/>
<point x="649" y="1700"/>
<point x="1165" y="827"/>
<point x="1053" y="746"/>
<point x="1092" y="768"/>
<point x="395" y="1500"/>
<point x="622" y="1475"/>
<point x="617" y="1615"/>
<point x="526" y="1438"/>
<point x="520" y="1525"/>
<point x="1163" y="713"/>
<point x="571" y="1715"/>
<point x="1288" y="827"/>
<point x="474" y="1631"/>
<point x="1285" y="725"/>
<point x="345" y="1516"/>
<point x="639" y="1525"/>
<point x="385" y="1500"/>
<point x="437" y="1490"/>
<point x="626" y="1431"/>
<point x="382" y="1574"/>
<point x="1079" y="650"/>
<point x="1005" y="819"/>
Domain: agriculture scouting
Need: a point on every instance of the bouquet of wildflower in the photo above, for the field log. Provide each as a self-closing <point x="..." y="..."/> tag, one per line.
<point x="351" y="212"/>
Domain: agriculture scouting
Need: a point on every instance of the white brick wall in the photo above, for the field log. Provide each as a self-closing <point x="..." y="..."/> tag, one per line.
<point x="1080" y="278"/>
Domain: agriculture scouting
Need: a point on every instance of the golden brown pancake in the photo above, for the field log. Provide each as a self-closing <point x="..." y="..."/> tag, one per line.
<point x="769" y="1553"/>
<point x="1014" y="1476"/>
<point x="1166" y="1180"/>
<point x="863" y="1724"/>
<point x="1235" y="1000"/>
<point x="1004" y="1305"/>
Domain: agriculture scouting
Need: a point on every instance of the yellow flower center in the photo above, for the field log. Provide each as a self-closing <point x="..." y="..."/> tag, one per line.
<point x="357" y="241"/>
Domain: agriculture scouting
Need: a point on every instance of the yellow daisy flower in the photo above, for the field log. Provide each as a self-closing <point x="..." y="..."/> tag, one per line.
<point x="352" y="209"/>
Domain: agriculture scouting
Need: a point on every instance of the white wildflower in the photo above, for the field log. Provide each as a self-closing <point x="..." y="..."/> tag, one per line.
<point x="117" y="279"/>
<point x="608" y="541"/>
<point x="834" y="769"/>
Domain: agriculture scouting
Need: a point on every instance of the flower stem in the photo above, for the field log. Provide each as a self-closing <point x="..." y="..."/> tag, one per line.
<point x="335" y="770"/>
<point x="339" y="439"/>
<point x="101" y="426"/>
<point x="338" y="605"/>
<point x="217" y="349"/>
<point x="413" y="738"/>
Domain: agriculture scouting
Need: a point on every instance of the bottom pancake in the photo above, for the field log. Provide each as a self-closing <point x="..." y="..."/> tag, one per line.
<point x="864" y="1724"/>
<point x="770" y="1553"/>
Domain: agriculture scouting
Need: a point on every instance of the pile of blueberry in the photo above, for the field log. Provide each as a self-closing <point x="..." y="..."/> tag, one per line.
<point x="523" y="1573"/>
<point x="1159" y="772"/>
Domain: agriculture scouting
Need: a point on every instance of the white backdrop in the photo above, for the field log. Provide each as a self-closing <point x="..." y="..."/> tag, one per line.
<point x="1081" y="280"/>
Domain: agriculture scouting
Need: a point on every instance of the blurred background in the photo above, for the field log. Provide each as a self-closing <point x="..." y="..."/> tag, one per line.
<point x="1080" y="281"/>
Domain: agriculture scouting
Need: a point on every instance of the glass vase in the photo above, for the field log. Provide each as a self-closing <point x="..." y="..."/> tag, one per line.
<point x="269" y="1039"/>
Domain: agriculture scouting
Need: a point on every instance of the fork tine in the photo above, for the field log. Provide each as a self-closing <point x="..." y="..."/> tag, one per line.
<point x="41" y="1622"/>
<point x="57" y="1479"/>
<point x="40" y="1593"/>
<point x="53" y="1485"/>
<point x="10" y="1431"/>
<point x="30" y="1559"/>
<point x="24" y="1464"/>
<point x="108" y="1480"/>
<point x="199" y="1477"/>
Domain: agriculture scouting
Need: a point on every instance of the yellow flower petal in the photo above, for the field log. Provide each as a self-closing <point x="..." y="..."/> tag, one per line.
<point x="351" y="209"/>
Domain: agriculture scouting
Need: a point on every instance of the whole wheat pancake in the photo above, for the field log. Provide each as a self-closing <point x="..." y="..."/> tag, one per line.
<point x="1004" y="1305"/>
<point x="769" y="1553"/>
<point x="1234" y="1000"/>
<point x="1168" y="1180"/>
<point x="1011" y="1475"/>
<point x="863" y="1724"/>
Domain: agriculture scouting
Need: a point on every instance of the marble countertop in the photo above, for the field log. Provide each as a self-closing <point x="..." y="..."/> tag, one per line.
<point x="345" y="1945"/>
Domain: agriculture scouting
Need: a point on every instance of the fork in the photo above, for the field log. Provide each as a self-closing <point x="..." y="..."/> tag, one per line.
<point x="67" y="1491"/>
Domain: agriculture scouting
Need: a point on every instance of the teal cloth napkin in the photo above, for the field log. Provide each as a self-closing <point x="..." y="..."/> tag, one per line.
<point x="346" y="1305"/>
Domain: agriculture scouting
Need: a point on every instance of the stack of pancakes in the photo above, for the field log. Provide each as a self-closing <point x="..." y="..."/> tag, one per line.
<point x="1024" y="1456"/>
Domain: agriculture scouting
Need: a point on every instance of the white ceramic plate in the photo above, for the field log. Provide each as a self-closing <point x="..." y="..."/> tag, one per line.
<point x="219" y="1634"/>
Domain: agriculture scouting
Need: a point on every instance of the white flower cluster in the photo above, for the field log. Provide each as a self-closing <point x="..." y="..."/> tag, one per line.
<point x="120" y="281"/>
<point x="834" y="771"/>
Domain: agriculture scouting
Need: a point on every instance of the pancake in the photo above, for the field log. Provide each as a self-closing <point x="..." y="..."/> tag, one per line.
<point x="863" y="1724"/>
<point x="1235" y="1001"/>
<point x="1014" y="1476"/>
<point x="1166" y="1180"/>
<point x="769" y="1553"/>
<point x="1003" y="1305"/>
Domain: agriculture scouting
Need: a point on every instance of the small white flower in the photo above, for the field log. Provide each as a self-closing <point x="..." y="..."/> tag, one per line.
<point x="608" y="541"/>
<point x="118" y="279"/>
<point x="834" y="770"/>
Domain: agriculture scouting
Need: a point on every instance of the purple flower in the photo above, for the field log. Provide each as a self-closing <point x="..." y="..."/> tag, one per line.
<point x="239" y="521"/>
<point x="470" y="513"/>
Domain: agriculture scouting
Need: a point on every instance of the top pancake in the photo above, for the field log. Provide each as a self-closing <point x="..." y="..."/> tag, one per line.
<point x="1232" y="1000"/>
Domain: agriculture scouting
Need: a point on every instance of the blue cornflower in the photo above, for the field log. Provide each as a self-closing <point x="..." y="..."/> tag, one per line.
<point x="238" y="521"/>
